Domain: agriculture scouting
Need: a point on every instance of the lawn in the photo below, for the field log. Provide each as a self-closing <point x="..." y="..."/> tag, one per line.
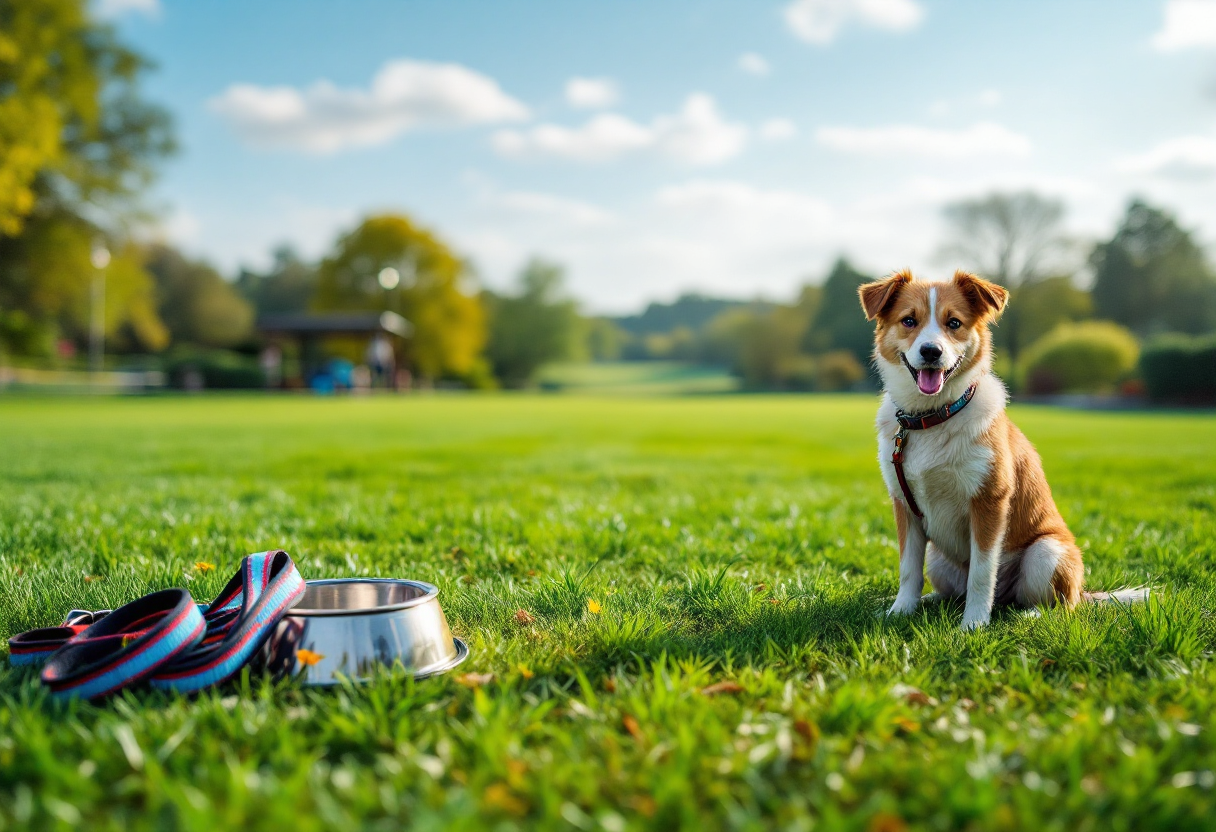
<point x="736" y="676"/>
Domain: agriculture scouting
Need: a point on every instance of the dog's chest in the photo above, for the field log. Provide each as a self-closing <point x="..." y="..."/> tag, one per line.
<point x="945" y="466"/>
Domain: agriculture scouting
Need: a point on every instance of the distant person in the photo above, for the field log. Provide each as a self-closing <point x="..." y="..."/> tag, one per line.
<point x="271" y="361"/>
<point x="382" y="360"/>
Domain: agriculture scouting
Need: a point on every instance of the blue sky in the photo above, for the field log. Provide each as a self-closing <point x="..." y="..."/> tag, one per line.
<point x="654" y="147"/>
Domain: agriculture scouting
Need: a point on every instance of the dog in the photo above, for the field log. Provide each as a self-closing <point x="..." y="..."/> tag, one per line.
<point x="972" y="505"/>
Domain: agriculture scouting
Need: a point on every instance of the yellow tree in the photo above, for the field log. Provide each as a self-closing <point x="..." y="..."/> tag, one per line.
<point x="389" y="263"/>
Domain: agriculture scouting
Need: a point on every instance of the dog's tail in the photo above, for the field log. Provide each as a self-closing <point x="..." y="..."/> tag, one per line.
<point x="1127" y="595"/>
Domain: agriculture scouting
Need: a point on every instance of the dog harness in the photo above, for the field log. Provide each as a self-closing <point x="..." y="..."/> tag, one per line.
<point x="921" y="422"/>
<point x="165" y="637"/>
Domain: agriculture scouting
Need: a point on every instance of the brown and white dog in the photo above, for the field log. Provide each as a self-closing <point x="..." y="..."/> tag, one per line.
<point x="988" y="528"/>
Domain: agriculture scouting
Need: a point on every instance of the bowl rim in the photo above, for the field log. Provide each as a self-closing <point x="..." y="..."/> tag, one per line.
<point x="430" y="591"/>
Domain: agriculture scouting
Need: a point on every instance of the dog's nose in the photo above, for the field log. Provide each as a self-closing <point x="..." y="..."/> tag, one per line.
<point x="930" y="352"/>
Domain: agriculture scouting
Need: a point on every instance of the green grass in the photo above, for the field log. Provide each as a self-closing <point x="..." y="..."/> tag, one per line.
<point x="742" y="540"/>
<point x="637" y="378"/>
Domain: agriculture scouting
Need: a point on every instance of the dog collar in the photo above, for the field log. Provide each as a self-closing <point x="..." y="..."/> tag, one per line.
<point x="935" y="417"/>
<point x="920" y="422"/>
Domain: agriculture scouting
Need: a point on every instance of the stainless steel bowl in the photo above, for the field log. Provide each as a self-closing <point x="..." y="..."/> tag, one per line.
<point x="351" y="626"/>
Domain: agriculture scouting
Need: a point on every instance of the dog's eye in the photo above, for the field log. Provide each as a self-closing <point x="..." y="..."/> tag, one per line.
<point x="954" y="323"/>
<point x="909" y="322"/>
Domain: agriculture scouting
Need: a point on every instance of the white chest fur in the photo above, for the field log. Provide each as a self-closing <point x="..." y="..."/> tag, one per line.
<point x="945" y="465"/>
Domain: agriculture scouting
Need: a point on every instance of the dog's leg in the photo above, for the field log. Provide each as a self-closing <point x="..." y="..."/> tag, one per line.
<point x="987" y="535"/>
<point x="911" y="560"/>
<point x="948" y="578"/>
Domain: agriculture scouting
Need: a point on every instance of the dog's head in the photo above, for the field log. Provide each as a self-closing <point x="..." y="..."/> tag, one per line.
<point x="932" y="339"/>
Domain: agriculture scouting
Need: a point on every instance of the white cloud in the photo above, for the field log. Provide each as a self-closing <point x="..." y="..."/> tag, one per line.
<point x="592" y="93"/>
<point x="547" y="206"/>
<point x="404" y="95"/>
<point x="109" y="9"/>
<point x="1188" y="23"/>
<point x="820" y="21"/>
<point x="778" y="129"/>
<point x="1185" y="158"/>
<point x="696" y="135"/>
<point x="990" y="98"/>
<point x="754" y="64"/>
<point x="984" y="139"/>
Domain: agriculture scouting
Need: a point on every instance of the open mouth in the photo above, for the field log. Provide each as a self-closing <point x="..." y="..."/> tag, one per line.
<point x="930" y="380"/>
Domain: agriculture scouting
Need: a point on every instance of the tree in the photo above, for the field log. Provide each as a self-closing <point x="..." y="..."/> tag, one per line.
<point x="1034" y="310"/>
<point x="1152" y="276"/>
<point x="196" y="303"/>
<point x="288" y="286"/>
<point x="1009" y="238"/>
<point x="73" y="130"/>
<point x="77" y="143"/>
<point x="536" y="326"/>
<point x="45" y="279"/>
<point x="838" y="323"/>
<point x="426" y="287"/>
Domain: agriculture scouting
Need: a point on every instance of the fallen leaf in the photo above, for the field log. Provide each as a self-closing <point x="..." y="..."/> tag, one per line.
<point x="498" y="796"/>
<point x="774" y="601"/>
<point x="610" y="684"/>
<point x="203" y="566"/>
<point x="722" y="687"/>
<point x="593" y="606"/>
<point x="885" y="822"/>
<point x="88" y="579"/>
<point x="522" y="616"/>
<point x="809" y="731"/>
<point x="532" y="573"/>
<point x="916" y="697"/>
<point x="525" y="672"/>
<point x="631" y="725"/>
<point x="1047" y="662"/>
<point x="906" y="725"/>
<point x="467" y="579"/>
<point x="474" y="680"/>
<point x="759" y="587"/>
<point x="307" y="657"/>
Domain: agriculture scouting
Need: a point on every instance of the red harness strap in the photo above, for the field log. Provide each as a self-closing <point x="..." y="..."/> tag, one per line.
<point x="921" y="422"/>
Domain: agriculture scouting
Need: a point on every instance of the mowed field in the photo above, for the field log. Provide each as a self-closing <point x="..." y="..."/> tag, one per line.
<point x="736" y="676"/>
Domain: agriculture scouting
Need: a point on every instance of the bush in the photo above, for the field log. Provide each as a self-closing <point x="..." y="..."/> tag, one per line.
<point x="1087" y="357"/>
<point x="838" y="370"/>
<point x="1180" y="368"/>
<point x="213" y="370"/>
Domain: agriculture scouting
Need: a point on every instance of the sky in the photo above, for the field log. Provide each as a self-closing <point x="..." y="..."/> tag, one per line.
<point x="654" y="147"/>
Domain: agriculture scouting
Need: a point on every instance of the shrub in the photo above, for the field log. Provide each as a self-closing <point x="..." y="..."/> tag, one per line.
<point x="838" y="370"/>
<point x="214" y="370"/>
<point x="1180" y="368"/>
<point x="1086" y="357"/>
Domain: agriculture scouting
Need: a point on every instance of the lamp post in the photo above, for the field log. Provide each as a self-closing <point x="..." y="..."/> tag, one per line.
<point x="100" y="258"/>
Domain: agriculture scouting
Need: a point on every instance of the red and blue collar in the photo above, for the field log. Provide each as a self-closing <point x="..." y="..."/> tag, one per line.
<point x="933" y="418"/>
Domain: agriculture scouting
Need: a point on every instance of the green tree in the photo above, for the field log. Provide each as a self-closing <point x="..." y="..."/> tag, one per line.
<point x="76" y="143"/>
<point x="288" y="286"/>
<point x="426" y="287"/>
<point x="838" y="323"/>
<point x="534" y="327"/>
<point x="1035" y="309"/>
<point x="73" y="128"/>
<point x="1152" y="276"/>
<point x="196" y="303"/>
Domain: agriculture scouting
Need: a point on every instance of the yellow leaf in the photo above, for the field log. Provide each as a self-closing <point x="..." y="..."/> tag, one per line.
<point x="593" y="606"/>
<point x="525" y="672"/>
<point x="307" y="657"/>
<point x="203" y="566"/>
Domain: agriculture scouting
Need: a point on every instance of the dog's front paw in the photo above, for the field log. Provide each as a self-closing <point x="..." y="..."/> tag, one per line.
<point x="904" y="606"/>
<point x="973" y="621"/>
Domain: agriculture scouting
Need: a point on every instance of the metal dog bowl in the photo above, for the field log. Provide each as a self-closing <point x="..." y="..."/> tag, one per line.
<point x="351" y="626"/>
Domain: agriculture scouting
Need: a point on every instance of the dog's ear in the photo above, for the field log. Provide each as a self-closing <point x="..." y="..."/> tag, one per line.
<point x="988" y="299"/>
<point x="877" y="297"/>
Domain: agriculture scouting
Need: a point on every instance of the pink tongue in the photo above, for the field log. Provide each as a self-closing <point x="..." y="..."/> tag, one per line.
<point x="929" y="381"/>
